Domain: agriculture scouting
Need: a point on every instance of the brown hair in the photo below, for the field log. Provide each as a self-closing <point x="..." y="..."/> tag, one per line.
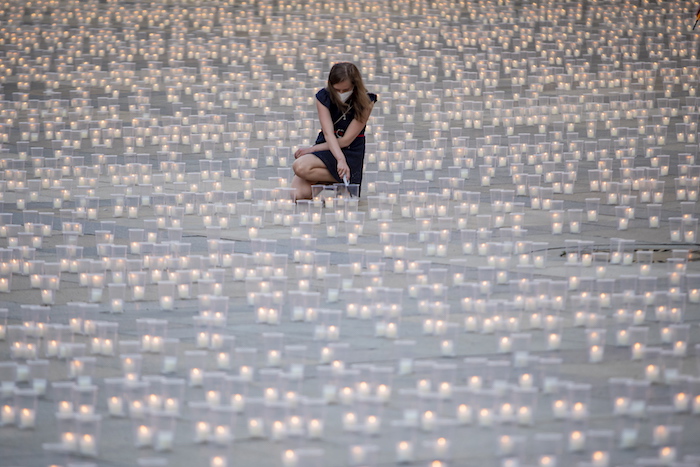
<point x="359" y="99"/>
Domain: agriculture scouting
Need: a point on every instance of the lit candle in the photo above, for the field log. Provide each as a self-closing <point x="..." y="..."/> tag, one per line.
<point x="115" y="406"/>
<point x="117" y="305"/>
<point x="600" y="459"/>
<point x="577" y="440"/>
<point x="694" y="296"/>
<point x="447" y="348"/>
<point x="485" y="287"/>
<point x="332" y="333"/>
<point x="139" y="292"/>
<point x="338" y="366"/>
<point x="464" y="414"/>
<point x="536" y="321"/>
<point x="271" y="395"/>
<point x="504" y="344"/>
<point x="347" y="395"/>
<point x="579" y="411"/>
<point x="172" y="406"/>
<point x="213" y="398"/>
<point x="471" y="324"/>
<point x="64" y="407"/>
<point x="667" y="455"/>
<point x="638" y="351"/>
<point x="505" y="445"/>
<point x="166" y="302"/>
<point x="660" y="435"/>
<point x="445" y="390"/>
<point x="52" y="348"/>
<point x="652" y="373"/>
<point x="196" y="377"/>
<point x="559" y="409"/>
<point x="290" y="458"/>
<point x="586" y="259"/>
<point x="428" y="421"/>
<point x="27" y="418"/>
<point x="622" y="337"/>
<point x="237" y="402"/>
<point x="372" y="425"/>
<point x="69" y="441"/>
<point x="154" y="402"/>
<point x="107" y="347"/>
<point x="201" y="432"/>
<point x="506" y="412"/>
<point x="246" y="373"/>
<point x="595" y="354"/>
<point x="47" y="296"/>
<point x="76" y="368"/>
<point x="144" y="436"/>
<point x="223" y="360"/>
<point x="7" y="415"/>
<point x="278" y="431"/>
<point x="525" y="416"/>
<point x="424" y="386"/>
<point x="525" y="380"/>
<point x="404" y="452"/>
<point x="391" y="331"/>
<point x="88" y="447"/>
<point x="485" y="418"/>
<point x="553" y="341"/>
<point x="681" y="401"/>
<point x="274" y="358"/>
<point x="349" y="421"/>
<point x="621" y="406"/>
<point x="315" y="429"/>
<point x="680" y="348"/>
<point x="475" y="383"/>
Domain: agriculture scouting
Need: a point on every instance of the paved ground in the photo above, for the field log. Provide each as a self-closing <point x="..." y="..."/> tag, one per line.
<point x="478" y="305"/>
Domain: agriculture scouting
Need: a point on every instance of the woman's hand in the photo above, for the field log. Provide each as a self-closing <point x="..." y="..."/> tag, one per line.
<point x="343" y="170"/>
<point x="302" y="152"/>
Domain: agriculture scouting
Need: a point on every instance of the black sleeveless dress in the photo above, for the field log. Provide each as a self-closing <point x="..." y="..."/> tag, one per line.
<point x="355" y="152"/>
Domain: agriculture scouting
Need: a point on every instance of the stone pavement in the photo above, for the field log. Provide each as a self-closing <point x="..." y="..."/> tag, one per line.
<point x="517" y="285"/>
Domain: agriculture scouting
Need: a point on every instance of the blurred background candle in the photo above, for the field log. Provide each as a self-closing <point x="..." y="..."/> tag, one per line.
<point x="404" y="452"/>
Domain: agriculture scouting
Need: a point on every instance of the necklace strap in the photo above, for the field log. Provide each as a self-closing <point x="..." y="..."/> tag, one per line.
<point x="342" y="117"/>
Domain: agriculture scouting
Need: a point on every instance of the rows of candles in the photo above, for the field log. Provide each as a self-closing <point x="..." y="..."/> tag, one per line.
<point x="492" y="254"/>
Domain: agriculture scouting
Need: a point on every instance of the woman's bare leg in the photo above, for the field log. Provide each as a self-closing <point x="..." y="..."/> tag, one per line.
<point x="309" y="170"/>
<point x="302" y="188"/>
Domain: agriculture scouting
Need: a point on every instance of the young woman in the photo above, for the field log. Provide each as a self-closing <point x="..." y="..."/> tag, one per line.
<point x="344" y="106"/>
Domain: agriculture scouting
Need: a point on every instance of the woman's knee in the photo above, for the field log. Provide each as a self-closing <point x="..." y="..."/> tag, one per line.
<point x="300" y="167"/>
<point x="303" y="166"/>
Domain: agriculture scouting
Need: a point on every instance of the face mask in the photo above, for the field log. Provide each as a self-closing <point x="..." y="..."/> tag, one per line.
<point x="344" y="96"/>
